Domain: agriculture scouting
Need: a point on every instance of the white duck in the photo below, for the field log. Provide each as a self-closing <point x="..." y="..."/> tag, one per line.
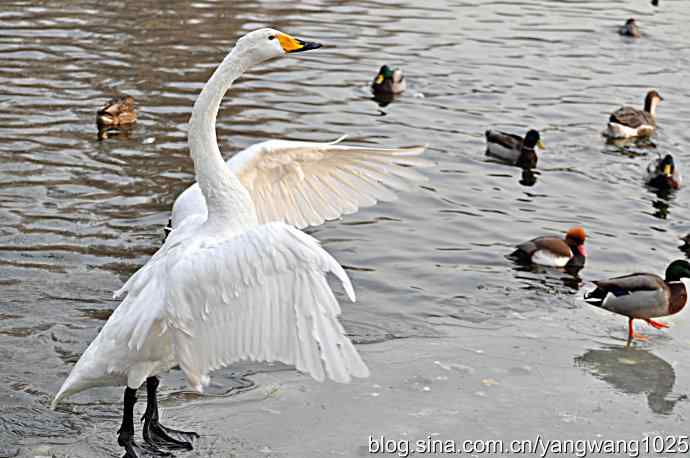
<point x="223" y="287"/>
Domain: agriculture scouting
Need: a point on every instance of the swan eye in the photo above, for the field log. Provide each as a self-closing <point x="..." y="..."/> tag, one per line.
<point x="271" y="37"/>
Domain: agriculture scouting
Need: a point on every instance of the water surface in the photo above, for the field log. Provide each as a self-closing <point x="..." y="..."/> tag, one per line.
<point x="78" y="215"/>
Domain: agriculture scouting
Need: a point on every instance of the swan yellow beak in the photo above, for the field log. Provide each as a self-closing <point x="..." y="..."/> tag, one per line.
<point x="292" y="44"/>
<point x="540" y="144"/>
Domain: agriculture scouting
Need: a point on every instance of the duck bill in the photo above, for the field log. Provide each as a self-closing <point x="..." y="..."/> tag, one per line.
<point x="668" y="170"/>
<point x="540" y="144"/>
<point x="291" y="44"/>
<point x="582" y="250"/>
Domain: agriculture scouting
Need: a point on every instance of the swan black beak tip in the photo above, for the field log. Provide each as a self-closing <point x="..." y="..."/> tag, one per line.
<point x="306" y="46"/>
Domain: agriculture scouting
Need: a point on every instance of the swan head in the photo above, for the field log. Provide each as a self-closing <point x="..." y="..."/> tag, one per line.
<point x="266" y="44"/>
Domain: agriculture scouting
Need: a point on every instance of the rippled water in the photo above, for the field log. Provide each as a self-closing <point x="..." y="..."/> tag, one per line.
<point x="78" y="215"/>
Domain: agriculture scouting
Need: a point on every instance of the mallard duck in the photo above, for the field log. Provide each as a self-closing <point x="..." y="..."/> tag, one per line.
<point x="389" y="81"/>
<point x="513" y="148"/>
<point x="663" y="174"/>
<point x="119" y="111"/>
<point x="554" y="251"/>
<point x="644" y="296"/>
<point x="630" y="29"/>
<point x="629" y="122"/>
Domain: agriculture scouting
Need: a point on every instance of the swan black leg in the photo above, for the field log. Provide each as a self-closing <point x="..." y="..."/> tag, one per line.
<point x="166" y="230"/>
<point x="125" y="436"/>
<point x="156" y="434"/>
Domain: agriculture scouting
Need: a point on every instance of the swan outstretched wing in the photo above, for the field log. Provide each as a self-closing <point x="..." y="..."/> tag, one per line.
<point x="307" y="183"/>
<point x="261" y="296"/>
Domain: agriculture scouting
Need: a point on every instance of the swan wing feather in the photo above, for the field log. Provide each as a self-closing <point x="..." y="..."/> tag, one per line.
<point x="307" y="183"/>
<point x="261" y="296"/>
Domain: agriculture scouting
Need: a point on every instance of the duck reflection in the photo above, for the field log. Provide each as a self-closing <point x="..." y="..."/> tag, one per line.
<point x="549" y="278"/>
<point x="634" y="371"/>
<point x="105" y="133"/>
<point x="383" y="99"/>
<point x="629" y="146"/>
<point x="685" y="247"/>
<point x="528" y="177"/>
<point x="661" y="208"/>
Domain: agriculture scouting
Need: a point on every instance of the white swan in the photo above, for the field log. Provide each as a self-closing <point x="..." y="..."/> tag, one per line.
<point x="307" y="183"/>
<point x="223" y="287"/>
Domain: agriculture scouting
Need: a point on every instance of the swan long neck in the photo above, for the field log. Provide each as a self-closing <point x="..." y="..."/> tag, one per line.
<point x="227" y="200"/>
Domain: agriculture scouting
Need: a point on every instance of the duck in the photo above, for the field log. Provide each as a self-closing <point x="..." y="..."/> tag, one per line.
<point x="553" y="251"/>
<point x="118" y="111"/>
<point x="514" y="149"/>
<point x="643" y="296"/>
<point x="389" y="81"/>
<point x="685" y="247"/>
<point x="663" y="174"/>
<point x="630" y="29"/>
<point x="628" y="122"/>
<point x="223" y="287"/>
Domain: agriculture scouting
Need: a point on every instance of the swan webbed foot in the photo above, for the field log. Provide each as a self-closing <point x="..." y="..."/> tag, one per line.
<point x="158" y="435"/>
<point x="134" y="450"/>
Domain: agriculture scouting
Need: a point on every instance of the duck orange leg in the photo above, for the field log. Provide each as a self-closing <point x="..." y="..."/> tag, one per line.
<point x="656" y="324"/>
<point x="631" y="332"/>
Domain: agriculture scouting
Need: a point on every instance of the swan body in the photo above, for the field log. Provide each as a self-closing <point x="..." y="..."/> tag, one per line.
<point x="307" y="183"/>
<point x="224" y="286"/>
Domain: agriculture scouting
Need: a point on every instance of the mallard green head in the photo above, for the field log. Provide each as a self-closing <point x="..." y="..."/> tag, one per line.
<point x="389" y="81"/>
<point x="385" y="73"/>
<point x="532" y="139"/>
<point x="680" y="268"/>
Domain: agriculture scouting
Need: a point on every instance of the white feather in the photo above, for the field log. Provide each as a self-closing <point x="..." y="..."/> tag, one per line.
<point x="244" y="284"/>
<point x="617" y="131"/>
<point x="548" y="258"/>
<point x="307" y="183"/>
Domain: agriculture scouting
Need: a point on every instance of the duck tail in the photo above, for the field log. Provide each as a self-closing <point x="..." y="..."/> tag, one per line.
<point x="596" y="297"/>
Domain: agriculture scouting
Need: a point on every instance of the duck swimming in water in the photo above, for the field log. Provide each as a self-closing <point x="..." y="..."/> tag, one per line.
<point x="630" y="29"/>
<point x="663" y="174"/>
<point x="514" y="149"/>
<point x="389" y="82"/>
<point x="119" y="111"/>
<point x="627" y="122"/>
<point x="554" y="251"/>
<point x="643" y="296"/>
